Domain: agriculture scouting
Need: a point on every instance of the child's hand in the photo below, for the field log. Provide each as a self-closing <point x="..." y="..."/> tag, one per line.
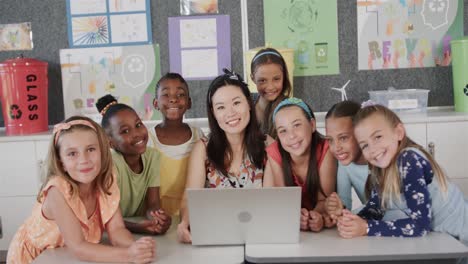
<point x="183" y="233"/>
<point x="334" y="206"/>
<point x="351" y="225"/>
<point x="315" y="221"/>
<point x="328" y="221"/>
<point x="142" y="250"/>
<point x="147" y="226"/>
<point x="161" y="221"/>
<point x="304" y="219"/>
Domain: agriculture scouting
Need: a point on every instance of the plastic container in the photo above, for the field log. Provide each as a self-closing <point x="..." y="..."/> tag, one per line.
<point x="460" y="76"/>
<point x="407" y="100"/>
<point x="23" y="91"/>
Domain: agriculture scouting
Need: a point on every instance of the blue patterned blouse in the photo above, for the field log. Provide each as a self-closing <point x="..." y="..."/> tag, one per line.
<point x="416" y="174"/>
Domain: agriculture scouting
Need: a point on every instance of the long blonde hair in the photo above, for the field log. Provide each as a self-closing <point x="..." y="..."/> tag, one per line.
<point x="388" y="179"/>
<point x="54" y="168"/>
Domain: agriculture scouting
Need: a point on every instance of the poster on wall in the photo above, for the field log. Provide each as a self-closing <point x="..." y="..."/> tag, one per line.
<point x="191" y="7"/>
<point x="16" y="36"/>
<point x="98" y="23"/>
<point x="199" y="46"/>
<point x="310" y="27"/>
<point x="394" y="34"/>
<point x="129" y="72"/>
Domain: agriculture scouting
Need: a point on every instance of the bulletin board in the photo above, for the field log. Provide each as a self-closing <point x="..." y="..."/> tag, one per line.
<point x="129" y="73"/>
<point x="51" y="35"/>
<point x="98" y="23"/>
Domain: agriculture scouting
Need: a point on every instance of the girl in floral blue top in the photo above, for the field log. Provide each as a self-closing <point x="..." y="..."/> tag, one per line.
<point x="409" y="193"/>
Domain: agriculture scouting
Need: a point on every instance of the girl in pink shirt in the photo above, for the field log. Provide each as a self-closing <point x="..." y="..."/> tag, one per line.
<point x="301" y="157"/>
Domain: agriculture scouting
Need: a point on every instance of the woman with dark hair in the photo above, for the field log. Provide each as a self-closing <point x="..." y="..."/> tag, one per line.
<point x="234" y="154"/>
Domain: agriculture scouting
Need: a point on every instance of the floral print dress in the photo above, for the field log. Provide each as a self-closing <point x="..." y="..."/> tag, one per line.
<point x="422" y="206"/>
<point x="249" y="176"/>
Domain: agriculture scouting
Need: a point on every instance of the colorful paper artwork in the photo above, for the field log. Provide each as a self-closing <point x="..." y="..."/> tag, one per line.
<point x="395" y="34"/>
<point x="190" y="7"/>
<point x="310" y="27"/>
<point x="128" y="72"/>
<point x="199" y="46"/>
<point x="90" y="30"/>
<point x="16" y="36"/>
<point x="97" y="23"/>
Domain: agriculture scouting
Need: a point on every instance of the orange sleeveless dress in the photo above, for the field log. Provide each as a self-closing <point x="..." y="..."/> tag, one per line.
<point x="39" y="233"/>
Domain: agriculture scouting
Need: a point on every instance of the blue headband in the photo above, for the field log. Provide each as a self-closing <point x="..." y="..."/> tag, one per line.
<point x="266" y="53"/>
<point x="292" y="101"/>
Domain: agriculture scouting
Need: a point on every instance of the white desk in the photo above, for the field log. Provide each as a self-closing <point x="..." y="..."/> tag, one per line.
<point x="327" y="246"/>
<point x="169" y="251"/>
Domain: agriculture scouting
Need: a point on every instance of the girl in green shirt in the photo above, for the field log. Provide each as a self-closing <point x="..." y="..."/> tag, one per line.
<point x="137" y="166"/>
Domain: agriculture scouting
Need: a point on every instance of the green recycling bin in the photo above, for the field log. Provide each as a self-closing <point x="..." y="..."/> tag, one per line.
<point x="460" y="73"/>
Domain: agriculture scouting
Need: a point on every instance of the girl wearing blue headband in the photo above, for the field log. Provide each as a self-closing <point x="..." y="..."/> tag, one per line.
<point x="270" y="73"/>
<point x="301" y="157"/>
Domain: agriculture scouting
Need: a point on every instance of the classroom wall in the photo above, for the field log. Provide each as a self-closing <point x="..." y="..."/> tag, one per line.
<point x="49" y="27"/>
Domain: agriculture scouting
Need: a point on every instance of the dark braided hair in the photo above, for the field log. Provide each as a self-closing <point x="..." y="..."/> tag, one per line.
<point x="108" y="107"/>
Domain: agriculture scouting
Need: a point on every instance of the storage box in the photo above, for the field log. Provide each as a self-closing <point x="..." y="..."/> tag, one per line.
<point x="407" y="100"/>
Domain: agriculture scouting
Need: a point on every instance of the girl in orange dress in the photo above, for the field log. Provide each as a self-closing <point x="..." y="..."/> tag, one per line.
<point x="78" y="202"/>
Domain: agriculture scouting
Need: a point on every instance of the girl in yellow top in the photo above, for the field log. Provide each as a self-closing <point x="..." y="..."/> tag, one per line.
<point x="78" y="202"/>
<point x="173" y="138"/>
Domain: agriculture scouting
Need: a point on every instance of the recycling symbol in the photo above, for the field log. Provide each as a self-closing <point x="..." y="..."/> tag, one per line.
<point x="321" y="53"/>
<point x="15" y="112"/>
<point x="135" y="65"/>
<point x="465" y="90"/>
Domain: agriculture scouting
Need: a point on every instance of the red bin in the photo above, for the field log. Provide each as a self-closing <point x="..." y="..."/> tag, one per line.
<point x="23" y="91"/>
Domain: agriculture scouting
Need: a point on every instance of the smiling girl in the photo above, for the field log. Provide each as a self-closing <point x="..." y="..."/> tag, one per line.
<point x="301" y="157"/>
<point x="405" y="180"/>
<point x="137" y="166"/>
<point x="173" y="138"/>
<point x="270" y="73"/>
<point x="78" y="202"/>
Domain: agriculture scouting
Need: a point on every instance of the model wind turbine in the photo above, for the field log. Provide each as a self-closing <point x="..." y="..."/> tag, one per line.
<point x="343" y="91"/>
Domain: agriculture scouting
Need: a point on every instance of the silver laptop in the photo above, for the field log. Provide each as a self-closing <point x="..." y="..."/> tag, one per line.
<point x="244" y="216"/>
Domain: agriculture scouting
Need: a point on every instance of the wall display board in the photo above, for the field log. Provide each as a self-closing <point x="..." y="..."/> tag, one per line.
<point x="95" y="23"/>
<point x="395" y="34"/>
<point x="310" y="28"/>
<point x="129" y="73"/>
<point x="199" y="46"/>
<point x="247" y="31"/>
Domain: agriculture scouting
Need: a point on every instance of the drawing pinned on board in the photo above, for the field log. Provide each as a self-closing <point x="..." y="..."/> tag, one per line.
<point x="190" y="7"/>
<point x="415" y="33"/>
<point x="128" y="72"/>
<point x="97" y="23"/>
<point x="342" y="90"/>
<point x="90" y="30"/>
<point x="16" y="36"/>
<point x="199" y="46"/>
<point x="305" y="26"/>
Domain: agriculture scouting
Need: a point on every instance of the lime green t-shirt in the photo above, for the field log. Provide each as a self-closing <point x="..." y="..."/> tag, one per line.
<point x="133" y="185"/>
